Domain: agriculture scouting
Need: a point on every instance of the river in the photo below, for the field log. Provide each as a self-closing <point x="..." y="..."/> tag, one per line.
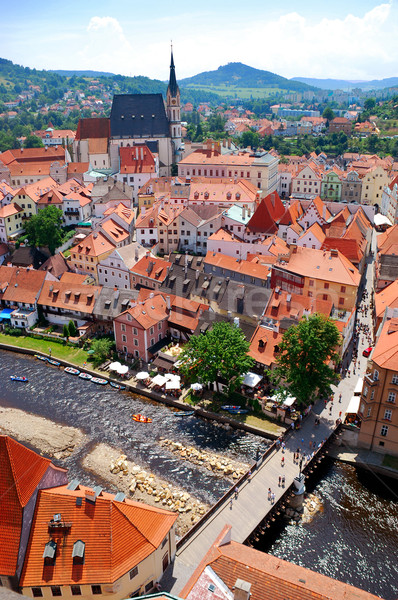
<point x="354" y="538"/>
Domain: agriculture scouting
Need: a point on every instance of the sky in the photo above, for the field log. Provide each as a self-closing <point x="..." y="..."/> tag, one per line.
<point x="354" y="40"/>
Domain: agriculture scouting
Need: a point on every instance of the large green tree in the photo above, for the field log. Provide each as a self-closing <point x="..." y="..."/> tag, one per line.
<point x="32" y="141"/>
<point x="45" y="228"/>
<point x="220" y="353"/>
<point x="328" y="114"/>
<point x="101" y="350"/>
<point x="304" y="356"/>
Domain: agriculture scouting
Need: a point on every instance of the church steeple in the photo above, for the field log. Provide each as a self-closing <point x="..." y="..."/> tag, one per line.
<point x="173" y="87"/>
<point x="173" y="108"/>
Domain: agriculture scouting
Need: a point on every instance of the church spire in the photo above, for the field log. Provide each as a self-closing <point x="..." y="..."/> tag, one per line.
<point x="173" y="87"/>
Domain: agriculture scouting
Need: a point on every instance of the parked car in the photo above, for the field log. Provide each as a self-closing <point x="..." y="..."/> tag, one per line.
<point x="367" y="351"/>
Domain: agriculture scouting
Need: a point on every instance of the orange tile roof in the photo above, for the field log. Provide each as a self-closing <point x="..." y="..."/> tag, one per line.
<point x="269" y="211"/>
<point x="24" y="285"/>
<point x="9" y="209"/>
<point x="117" y="537"/>
<point x="98" y="145"/>
<point x="222" y="190"/>
<point x="349" y="248"/>
<point x="35" y="155"/>
<point x="262" y="345"/>
<point x="62" y="294"/>
<point x="241" y="266"/>
<point x="387" y="239"/>
<point x="94" y="244"/>
<point x="224" y="235"/>
<point x="125" y="213"/>
<point x="293" y="212"/>
<point x="78" y="167"/>
<point x="316" y="230"/>
<point x="151" y="267"/>
<point x="271" y="578"/>
<point x="21" y="471"/>
<point x="386" y="298"/>
<point x="319" y="264"/>
<point x="115" y="231"/>
<point x="36" y="190"/>
<point x="385" y="353"/>
<point x="278" y="307"/>
<point x="150" y="312"/>
<point x="136" y="159"/>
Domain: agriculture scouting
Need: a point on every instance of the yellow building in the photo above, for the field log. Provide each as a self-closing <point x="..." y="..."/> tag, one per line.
<point x="373" y="183"/>
<point x="11" y="223"/>
<point x="87" y="254"/>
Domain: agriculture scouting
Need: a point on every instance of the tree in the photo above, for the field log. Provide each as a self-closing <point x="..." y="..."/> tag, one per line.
<point x="32" y="141"/>
<point x="328" y="114"/>
<point x="45" y="228"/>
<point x="65" y="331"/>
<point x="221" y="353"/>
<point x="72" y="328"/>
<point x="101" y="350"/>
<point x="369" y="103"/>
<point x="304" y="356"/>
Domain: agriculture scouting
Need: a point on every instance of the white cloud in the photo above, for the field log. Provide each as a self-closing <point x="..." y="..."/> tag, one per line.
<point x="105" y="47"/>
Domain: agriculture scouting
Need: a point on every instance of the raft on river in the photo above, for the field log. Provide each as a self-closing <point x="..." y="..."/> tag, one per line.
<point x="141" y="419"/>
<point x="18" y="378"/>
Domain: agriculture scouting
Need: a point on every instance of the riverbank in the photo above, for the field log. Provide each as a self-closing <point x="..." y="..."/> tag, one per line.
<point x="52" y="439"/>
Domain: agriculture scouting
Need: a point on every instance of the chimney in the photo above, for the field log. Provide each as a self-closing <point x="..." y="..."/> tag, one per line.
<point x="168" y="302"/>
<point x="89" y="495"/>
<point x="142" y="153"/>
<point x="136" y="152"/>
<point x="242" y="590"/>
<point x="136" y="253"/>
<point x="196" y="274"/>
<point x="244" y="211"/>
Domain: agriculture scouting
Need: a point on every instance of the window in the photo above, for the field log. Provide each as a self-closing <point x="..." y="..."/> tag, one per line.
<point x="135" y="342"/>
<point x="326" y="286"/>
<point x="365" y="391"/>
<point x="159" y="326"/>
<point x="384" y="430"/>
<point x="133" y="572"/>
<point x="342" y="289"/>
<point x="123" y="327"/>
<point x="76" y="591"/>
<point x="135" y="331"/>
<point x="311" y="283"/>
<point x="394" y="379"/>
<point x="391" y="397"/>
<point x="369" y="411"/>
<point x="149" y="586"/>
<point x="324" y="297"/>
<point x="151" y="331"/>
<point x="37" y="592"/>
<point x="388" y="414"/>
<point x="56" y="590"/>
<point x="124" y="339"/>
<point x="376" y="375"/>
<point x="309" y="294"/>
<point x="96" y="589"/>
<point x="341" y="301"/>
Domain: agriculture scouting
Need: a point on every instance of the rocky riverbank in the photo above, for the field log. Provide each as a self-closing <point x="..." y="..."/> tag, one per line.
<point x="223" y="467"/>
<point x="52" y="439"/>
<point x="142" y="486"/>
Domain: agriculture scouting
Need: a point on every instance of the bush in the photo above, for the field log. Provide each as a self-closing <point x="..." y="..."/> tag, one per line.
<point x="65" y="331"/>
<point x="13" y="331"/>
<point x="72" y="329"/>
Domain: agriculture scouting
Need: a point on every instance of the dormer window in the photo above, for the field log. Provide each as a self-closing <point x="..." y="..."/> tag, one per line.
<point x="78" y="552"/>
<point x="49" y="553"/>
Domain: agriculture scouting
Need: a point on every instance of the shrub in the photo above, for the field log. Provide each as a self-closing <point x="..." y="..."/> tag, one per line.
<point x="72" y="329"/>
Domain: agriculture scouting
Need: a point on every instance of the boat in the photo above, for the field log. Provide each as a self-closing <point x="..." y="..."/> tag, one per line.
<point x="184" y="413"/>
<point x="85" y="376"/>
<point x="117" y="386"/>
<point x="239" y="411"/>
<point x="99" y="380"/>
<point x="72" y="371"/>
<point x="51" y="361"/>
<point x="18" y="378"/>
<point x="141" y="419"/>
<point x="40" y="357"/>
<point x="229" y="407"/>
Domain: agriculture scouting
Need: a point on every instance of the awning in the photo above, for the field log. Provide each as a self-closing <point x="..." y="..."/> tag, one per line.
<point x="381" y="220"/>
<point x="173" y="384"/>
<point x="142" y="375"/>
<point x="114" y="366"/>
<point x="252" y="379"/>
<point x="358" y="387"/>
<point x="352" y="408"/>
<point x="6" y="313"/>
<point x="159" y="380"/>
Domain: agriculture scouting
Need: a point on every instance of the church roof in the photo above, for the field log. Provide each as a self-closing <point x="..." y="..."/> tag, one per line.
<point x="136" y="115"/>
<point x="173" y="87"/>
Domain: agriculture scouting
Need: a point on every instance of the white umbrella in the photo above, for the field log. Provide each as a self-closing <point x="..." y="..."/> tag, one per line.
<point x="114" y="366"/>
<point x="142" y="375"/>
<point x="171" y="376"/>
<point x="122" y="370"/>
<point x="173" y="384"/>
<point x="197" y="387"/>
<point x="159" y="380"/>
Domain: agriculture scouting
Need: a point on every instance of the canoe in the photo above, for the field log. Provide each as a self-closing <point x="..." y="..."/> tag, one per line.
<point x="18" y="378"/>
<point x="184" y="413"/>
<point x="51" y="361"/>
<point x="117" y="386"/>
<point x="229" y="407"/>
<point x="72" y="371"/>
<point x="141" y="419"/>
<point x="43" y="358"/>
<point x="239" y="411"/>
<point x="99" y="380"/>
<point x="85" y="376"/>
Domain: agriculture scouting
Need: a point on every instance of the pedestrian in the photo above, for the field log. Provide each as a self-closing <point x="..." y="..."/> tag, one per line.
<point x="310" y="443"/>
<point x="280" y="481"/>
<point x="292" y="425"/>
<point x="302" y="441"/>
<point x="272" y="498"/>
<point x="283" y="461"/>
<point x="330" y="409"/>
<point x="339" y="414"/>
<point x="283" y="447"/>
<point x="236" y="492"/>
<point x="49" y="351"/>
<point x="269" y="493"/>
<point x="277" y="443"/>
<point x="340" y="398"/>
<point x="283" y="481"/>
<point x="301" y="464"/>
<point x="249" y="475"/>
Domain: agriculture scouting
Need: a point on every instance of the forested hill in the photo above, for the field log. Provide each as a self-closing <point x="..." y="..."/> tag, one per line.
<point x="238" y="74"/>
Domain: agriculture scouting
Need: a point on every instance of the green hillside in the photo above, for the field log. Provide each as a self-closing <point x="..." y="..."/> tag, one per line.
<point x="238" y="75"/>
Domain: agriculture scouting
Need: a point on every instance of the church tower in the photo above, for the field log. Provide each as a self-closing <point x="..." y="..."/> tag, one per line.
<point x="173" y="108"/>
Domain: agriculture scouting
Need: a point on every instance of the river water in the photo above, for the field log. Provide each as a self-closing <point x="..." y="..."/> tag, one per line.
<point x="354" y="538"/>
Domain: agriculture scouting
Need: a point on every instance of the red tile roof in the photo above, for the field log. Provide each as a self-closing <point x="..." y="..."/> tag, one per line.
<point x="93" y="128"/>
<point x="117" y="537"/>
<point x="269" y="211"/>
<point x="24" y="285"/>
<point x="151" y="267"/>
<point x="138" y="159"/>
<point x="75" y="297"/>
<point x="21" y="471"/>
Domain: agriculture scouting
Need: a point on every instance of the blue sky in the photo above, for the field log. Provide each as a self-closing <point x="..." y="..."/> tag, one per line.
<point x="351" y="40"/>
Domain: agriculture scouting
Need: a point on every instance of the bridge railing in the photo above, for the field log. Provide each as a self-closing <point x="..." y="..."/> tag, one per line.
<point x="228" y="494"/>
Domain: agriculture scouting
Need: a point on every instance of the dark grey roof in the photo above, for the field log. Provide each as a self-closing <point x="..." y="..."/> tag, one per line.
<point x="208" y="318"/>
<point x="388" y="267"/>
<point x="27" y="255"/>
<point x="138" y="115"/>
<point x="245" y="300"/>
<point x="112" y="302"/>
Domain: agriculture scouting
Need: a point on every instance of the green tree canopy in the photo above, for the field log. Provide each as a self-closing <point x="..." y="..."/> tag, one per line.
<point x="32" y="141"/>
<point x="369" y="103"/>
<point x="101" y="350"/>
<point x="328" y="114"/>
<point x="220" y="353"/>
<point x="304" y="356"/>
<point x="45" y="228"/>
<point x="72" y="329"/>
